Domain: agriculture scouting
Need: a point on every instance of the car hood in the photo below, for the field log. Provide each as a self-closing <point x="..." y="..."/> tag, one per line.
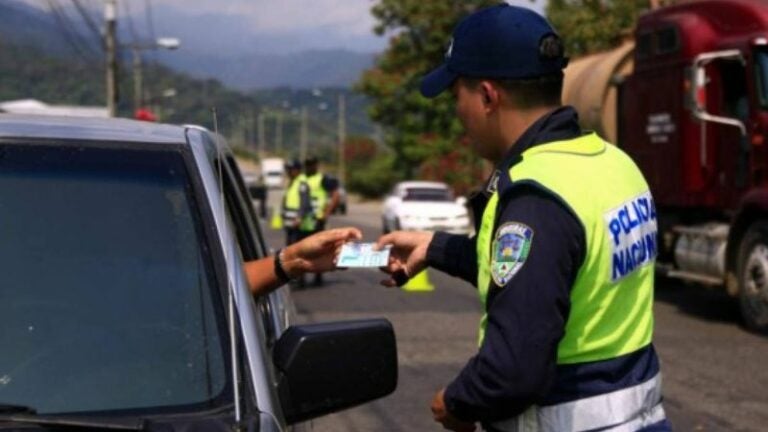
<point x="431" y="209"/>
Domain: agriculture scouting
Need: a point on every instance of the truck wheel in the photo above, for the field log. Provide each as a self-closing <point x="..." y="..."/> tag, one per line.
<point x="753" y="277"/>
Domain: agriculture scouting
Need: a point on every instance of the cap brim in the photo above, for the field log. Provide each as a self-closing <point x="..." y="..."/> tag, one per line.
<point x="437" y="81"/>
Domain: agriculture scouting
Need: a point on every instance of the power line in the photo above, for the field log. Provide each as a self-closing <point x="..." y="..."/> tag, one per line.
<point x="149" y="16"/>
<point x="74" y="30"/>
<point x="150" y="20"/>
<point x="89" y="21"/>
<point x="70" y="35"/>
<point x="129" y="17"/>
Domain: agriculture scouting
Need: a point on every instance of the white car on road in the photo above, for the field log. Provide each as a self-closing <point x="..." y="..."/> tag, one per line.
<point x="422" y="205"/>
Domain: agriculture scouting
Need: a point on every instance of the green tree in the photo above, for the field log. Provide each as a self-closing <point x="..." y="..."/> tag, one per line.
<point x="416" y="129"/>
<point x="594" y="25"/>
<point x="369" y="168"/>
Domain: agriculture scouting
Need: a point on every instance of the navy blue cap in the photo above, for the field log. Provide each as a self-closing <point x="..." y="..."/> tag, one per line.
<point x="501" y="42"/>
<point x="293" y="164"/>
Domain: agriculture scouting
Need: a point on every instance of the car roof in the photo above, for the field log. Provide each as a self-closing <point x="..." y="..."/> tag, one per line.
<point x="422" y="184"/>
<point x="91" y="129"/>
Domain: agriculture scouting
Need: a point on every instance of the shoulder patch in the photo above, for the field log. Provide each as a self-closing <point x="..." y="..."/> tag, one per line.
<point x="510" y="249"/>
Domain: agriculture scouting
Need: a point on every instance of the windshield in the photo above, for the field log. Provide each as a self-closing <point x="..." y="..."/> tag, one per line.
<point x="106" y="299"/>
<point x="427" y="194"/>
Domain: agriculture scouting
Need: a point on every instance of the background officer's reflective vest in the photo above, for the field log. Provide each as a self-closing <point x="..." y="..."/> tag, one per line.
<point x="318" y="194"/>
<point x="612" y="296"/>
<point x="292" y="205"/>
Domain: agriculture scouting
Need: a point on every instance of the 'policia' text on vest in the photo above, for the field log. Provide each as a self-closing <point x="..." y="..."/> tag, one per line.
<point x="633" y="229"/>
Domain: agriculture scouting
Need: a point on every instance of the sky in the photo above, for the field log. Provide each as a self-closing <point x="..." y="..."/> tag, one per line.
<point x="269" y="25"/>
<point x="335" y="23"/>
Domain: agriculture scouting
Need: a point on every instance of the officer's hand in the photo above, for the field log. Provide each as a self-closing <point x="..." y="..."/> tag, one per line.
<point x="408" y="254"/>
<point x="442" y="416"/>
<point x="317" y="253"/>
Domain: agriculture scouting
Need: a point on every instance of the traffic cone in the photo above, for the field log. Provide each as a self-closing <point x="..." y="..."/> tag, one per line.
<point x="419" y="282"/>
<point x="277" y="222"/>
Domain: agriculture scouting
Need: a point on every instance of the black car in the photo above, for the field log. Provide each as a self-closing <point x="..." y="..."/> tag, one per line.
<point x="123" y="304"/>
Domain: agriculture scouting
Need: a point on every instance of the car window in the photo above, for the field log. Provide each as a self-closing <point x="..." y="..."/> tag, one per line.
<point x="250" y="247"/>
<point x="247" y="204"/>
<point x="427" y="194"/>
<point x="107" y="299"/>
<point x="249" y="237"/>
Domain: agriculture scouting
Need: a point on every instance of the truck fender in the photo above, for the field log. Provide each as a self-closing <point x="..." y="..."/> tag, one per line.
<point x="753" y="207"/>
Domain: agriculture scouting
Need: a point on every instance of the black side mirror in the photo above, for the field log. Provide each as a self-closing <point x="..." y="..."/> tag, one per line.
<point x="332" y="366"/>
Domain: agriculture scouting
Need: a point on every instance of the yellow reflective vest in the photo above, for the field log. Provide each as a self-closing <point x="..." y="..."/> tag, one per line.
<point x="318" y="193"/>
<point x="611" y="299"/>
<point x="292" y="206"/>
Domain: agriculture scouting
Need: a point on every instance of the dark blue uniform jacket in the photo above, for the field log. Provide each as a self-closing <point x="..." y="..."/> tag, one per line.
<point x="515" y="367"/>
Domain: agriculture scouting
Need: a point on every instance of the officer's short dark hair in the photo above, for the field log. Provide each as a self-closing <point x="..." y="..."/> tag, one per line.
<point x="542" y="91"/>
<point x="535" y="92"/>
<point x="539" y="91"/>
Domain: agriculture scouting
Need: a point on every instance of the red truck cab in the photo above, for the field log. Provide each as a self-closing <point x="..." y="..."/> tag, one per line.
<point x="694" y="116"/>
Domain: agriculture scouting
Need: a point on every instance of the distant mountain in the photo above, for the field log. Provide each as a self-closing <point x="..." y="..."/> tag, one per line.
<point x="27" y="26"/>
<point x="308" y="69"/>
<point x="36" y="61"/>
<point x="223" y="47"/>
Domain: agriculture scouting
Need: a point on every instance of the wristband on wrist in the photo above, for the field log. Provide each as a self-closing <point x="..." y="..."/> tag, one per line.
<point x="279" y="270"/>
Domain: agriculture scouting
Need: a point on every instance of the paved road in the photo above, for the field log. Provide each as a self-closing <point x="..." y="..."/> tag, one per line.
<point x="715" y="372"/>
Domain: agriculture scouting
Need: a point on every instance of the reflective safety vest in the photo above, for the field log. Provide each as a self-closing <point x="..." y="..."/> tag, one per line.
<point x="292" y="206"/>
<point x="318" y="193"/>
<point x="611" y="298"/>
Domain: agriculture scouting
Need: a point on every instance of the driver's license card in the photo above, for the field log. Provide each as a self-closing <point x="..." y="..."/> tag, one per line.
<point x="362" y="255"/>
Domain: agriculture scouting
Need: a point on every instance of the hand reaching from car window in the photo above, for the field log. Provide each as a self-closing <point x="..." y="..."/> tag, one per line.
<point x="315" y="254"/>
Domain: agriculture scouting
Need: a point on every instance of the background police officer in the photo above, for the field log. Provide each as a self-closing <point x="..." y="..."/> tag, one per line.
<point x="296" y="211"/>
<point x="324" y="191"/>
<point x="565" y="342"/>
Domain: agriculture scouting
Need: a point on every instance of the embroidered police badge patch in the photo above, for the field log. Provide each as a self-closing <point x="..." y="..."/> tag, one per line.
<point x="510" y="249"/>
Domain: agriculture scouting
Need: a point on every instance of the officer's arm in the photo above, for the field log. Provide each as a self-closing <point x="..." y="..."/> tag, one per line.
<point x="454" y="254"/>
<point x="515" y="365"/>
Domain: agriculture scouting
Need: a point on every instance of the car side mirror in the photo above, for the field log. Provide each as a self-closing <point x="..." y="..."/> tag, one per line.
<point x="328" y="367"/>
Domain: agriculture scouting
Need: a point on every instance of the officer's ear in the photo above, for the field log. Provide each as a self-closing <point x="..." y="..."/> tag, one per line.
<point x="491" y="96"/>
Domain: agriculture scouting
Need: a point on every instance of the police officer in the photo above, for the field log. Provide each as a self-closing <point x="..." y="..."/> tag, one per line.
<point x="325" y="197"/>
<point x="297" y="213"/>
<point x="564" y="255"/>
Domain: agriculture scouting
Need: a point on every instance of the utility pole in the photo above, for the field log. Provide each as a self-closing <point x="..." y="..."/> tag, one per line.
<point x="245" y="124"/>
<point x="110" y="45"/>
<point x="279" y="133"/>
<point x="138" y="79"/>
<point x="303" y="138"/>
<point x="342" y="136"/>
<point x="262" y="135"/>
<point x="136" y="48"/>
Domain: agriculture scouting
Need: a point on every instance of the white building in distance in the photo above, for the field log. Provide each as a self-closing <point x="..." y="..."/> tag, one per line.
<point x="35" y="107"/>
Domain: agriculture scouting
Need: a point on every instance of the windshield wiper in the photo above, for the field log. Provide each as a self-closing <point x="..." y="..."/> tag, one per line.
<point x="70" y="421"/>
